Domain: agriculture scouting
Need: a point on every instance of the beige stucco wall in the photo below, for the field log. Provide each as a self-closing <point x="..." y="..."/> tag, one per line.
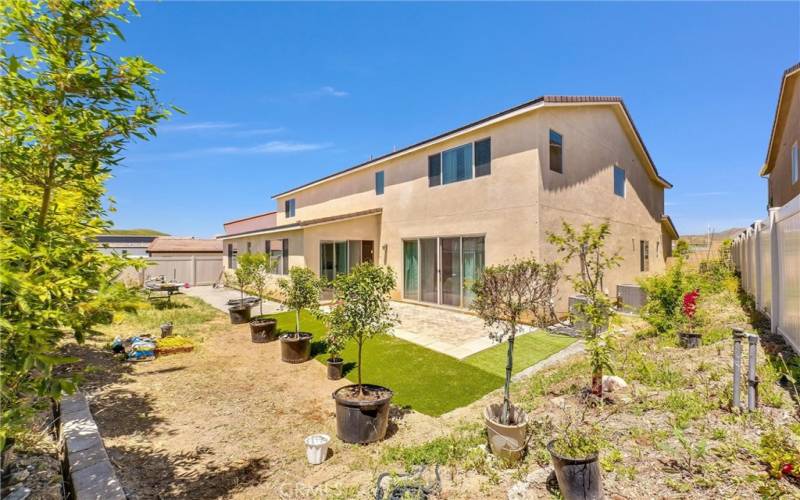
<point x="593" y="143"/>
<point x="514" y="208"/>
<point x="781" y="190"/>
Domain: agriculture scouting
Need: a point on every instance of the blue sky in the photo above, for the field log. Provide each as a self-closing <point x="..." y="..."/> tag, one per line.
<point x="280" y="94"/>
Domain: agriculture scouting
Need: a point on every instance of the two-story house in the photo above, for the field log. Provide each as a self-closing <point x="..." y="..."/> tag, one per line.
<point x="442" y="209"/>
<point x="782" y="166"/>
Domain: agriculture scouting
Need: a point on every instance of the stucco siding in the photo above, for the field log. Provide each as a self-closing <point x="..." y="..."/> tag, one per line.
<point x="781" y="188"/>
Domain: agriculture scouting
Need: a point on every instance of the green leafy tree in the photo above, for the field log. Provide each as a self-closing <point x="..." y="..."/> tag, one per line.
<point x="67" y="111"/>
<point x="504" y="295"/>
<point x="665" y="296"/>
<point x="362" y="308"/>
<point x="587" y="245"/>
<point x="301" y="291"/>
<point x="256" y="268"/>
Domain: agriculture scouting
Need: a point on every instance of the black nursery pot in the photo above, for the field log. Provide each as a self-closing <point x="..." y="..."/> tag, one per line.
<point x="362" y="421"/>
<point x="295" y="348"/>
<point x="335" y="368"/>
<point x="578" y="478"/>
<point x="689" y="340"/>
<point x="263" y="330"/>
<point x="239" y="314"/>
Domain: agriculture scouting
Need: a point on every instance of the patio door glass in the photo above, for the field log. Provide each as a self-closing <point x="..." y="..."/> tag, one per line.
<point x="341" y="257"/>
<point x="429" y="278"/>
<point x="326" y="261"/>
<point x="410" y="270"/>
<point x="474" y="260"/>
<point x="451" y="271"/>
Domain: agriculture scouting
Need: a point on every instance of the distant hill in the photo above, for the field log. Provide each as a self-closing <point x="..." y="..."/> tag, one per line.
<point x="702" y="239"/>
<point x="140" y="232"/>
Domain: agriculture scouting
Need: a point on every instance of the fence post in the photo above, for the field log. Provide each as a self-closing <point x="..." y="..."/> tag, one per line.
<point x="193" y="275"/>
<point x="775" y="270"/>
<point x="738" y="335"/>
<point x="757" y="263"/>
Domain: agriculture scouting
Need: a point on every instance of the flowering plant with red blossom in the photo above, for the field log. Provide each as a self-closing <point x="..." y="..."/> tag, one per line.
<point x="689" y="307"/>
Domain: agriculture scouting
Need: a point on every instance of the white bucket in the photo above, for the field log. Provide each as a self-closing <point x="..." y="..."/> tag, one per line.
<point x="317" y="448"/>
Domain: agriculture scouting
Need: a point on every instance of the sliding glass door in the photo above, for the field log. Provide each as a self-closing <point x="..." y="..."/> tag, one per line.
<point x="451" y="271"/>
<point x="429" y="276"/>
<point x="326" y="261"/>
<point x="411" y="270"/>
<point x="442" y="270"/>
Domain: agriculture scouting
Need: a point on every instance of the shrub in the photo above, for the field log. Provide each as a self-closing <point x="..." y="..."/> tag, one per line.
<point x="257" y="266"/>
<point x="503" y="294"/>
<point x="301" y="291"/>
<point x="588" y="246"/>
<point x="361" y="306"/>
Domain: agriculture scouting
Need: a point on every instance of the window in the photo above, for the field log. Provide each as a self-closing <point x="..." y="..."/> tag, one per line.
<point x="339" y="257"/>
<point x="279" y="252"/>
<point x="288" y="208"/>
<point x="483" y="157"/>
<point x="231" y="256"/>
<point x="457" y="164"/>
<point x="795" y="163"/>
<point x="556" y="152"/>
<point x="644" y="256"/>
<point x="379" y="182"/>
<point x="619" y="181"/>
<point x="434" y="170"/>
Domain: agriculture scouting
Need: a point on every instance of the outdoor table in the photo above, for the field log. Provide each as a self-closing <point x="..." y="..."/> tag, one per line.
<point x="168" y="289"/>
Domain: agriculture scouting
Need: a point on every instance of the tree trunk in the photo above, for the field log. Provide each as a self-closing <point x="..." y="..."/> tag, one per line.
<point x="597" y="383"/>
<point x="360" y="389"/>
<point x="297" y="322"/>
<point x="504" y="417"/>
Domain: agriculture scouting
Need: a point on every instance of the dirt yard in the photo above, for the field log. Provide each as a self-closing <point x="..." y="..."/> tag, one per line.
<point x="228" y="420"/>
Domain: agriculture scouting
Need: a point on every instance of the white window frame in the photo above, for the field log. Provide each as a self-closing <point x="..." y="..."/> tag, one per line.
<point x="795" y="163"/>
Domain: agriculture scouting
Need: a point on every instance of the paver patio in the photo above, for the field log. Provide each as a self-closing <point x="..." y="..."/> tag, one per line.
<point x="457" y="334"/>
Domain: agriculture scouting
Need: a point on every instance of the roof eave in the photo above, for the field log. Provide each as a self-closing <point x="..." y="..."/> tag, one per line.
<point x="790" y="72"/>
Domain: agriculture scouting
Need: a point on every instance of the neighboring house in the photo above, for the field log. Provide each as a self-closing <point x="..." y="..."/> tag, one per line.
<point x="440" y="210"/>
<point x="183" y="247"/>
<point x="782" y="166"/>
<point x="128" y="245"/>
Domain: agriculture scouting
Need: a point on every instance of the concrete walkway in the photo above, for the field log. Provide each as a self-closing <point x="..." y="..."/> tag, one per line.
<point x="219" y="297"/>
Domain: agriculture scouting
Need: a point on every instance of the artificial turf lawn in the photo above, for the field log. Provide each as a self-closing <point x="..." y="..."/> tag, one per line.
<point x="427" y="381"/>
<point x="529" y="349"/>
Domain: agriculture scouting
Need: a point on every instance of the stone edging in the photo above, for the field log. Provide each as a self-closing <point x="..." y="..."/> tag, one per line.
<point x="90" y="471"/>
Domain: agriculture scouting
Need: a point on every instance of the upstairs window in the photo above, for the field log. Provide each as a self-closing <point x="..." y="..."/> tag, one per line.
<point x="619" y="181"/>
<point x="483" y="157"/>
<point x="556" y="152"/>
<point x="457" y="164"/>
<point x="795" y="163"/>
<point x="379" y="182"/>
<point x="288" y="208"/>
<point x="434" y="170"/>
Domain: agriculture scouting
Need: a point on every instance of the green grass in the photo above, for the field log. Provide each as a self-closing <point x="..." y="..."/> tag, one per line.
<point x="424" y="380"/>
<point x="529" y="349"/>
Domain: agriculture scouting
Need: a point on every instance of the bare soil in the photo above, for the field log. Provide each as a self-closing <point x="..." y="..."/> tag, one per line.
<point x="228" y="421"/>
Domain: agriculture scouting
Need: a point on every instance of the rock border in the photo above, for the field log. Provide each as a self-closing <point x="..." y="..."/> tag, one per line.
<point x="89" y="468"/>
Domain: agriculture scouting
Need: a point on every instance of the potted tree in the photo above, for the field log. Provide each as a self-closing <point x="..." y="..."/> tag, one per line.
<point x="690" y="339"/>
<point x="239" y="311"/>
<point x="262" y="329"/>
<point x="575" y="455"/>
<point x="335" y="345"/>
<point x="362" y="311"/>
<point x="595" y="309"/>
<point x="301" y="291"/>
<point x="504" y="295"/>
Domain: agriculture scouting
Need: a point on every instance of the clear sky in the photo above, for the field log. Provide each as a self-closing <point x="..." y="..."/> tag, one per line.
<point x="281" y="94"/>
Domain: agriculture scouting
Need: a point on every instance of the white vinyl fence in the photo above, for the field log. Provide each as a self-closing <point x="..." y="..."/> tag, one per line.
<point x="192" y="269"/>
<point x="767" y="255"/>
